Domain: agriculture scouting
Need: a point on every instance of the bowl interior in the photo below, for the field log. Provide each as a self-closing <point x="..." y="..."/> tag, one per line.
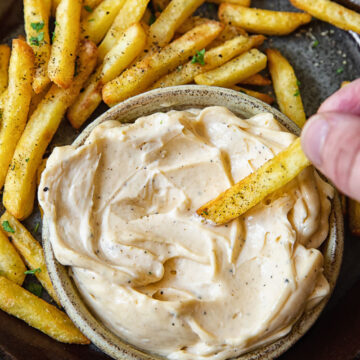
<point x="180" y="98"/>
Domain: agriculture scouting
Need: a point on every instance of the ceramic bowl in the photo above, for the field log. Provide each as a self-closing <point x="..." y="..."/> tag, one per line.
<point x="180" y="98"/>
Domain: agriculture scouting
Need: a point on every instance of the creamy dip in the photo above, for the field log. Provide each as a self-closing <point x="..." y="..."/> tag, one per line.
<point x="121" y="213"/>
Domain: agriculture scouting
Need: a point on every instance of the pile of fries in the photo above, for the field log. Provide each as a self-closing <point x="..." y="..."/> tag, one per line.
<point x="110" y="50"/>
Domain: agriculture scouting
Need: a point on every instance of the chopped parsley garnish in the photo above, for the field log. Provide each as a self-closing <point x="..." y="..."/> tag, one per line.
<point x="298" y="83"/>
<point x="27" y="159"/>
<point x="91" y="20"/>
<point x="205" y="212"/>
<point x="340" y="70"/>
<point x="297" y="92"/>
<point x="36" y="40"/>
<point x="32" y="272"/>
<point x="34" y="288"/>
<point x="6" y="226"/>
<point x="36" y="228"/>
<point x="88" y="8"/>
<point x="315" y="44"/>
<point x="37" y="26"/>
<point x="152" y="19"/>
<point x="199" y="57"/>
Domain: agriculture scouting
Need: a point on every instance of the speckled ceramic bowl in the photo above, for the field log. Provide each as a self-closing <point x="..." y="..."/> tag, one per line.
<point x="180" y="98"/>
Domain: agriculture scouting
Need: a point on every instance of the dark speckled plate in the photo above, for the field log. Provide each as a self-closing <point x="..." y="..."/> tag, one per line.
<point x="321" y="70"/>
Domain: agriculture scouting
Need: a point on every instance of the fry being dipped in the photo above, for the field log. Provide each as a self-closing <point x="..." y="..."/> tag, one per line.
<point x="257" y="186"/>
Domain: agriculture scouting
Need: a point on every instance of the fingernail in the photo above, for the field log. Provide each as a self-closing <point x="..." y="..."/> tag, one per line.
<point x="313" y="138"/>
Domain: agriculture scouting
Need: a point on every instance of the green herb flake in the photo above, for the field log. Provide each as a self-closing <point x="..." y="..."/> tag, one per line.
<point x="340" y="70"/>
<point x="37" y="40"/>
<point x="298" y="83"/>
<point x="152" y="19"/>
<point x="32" y="272"/>
<point x="199" y="57"/>
<point x="315" y="44"/>
<point x="205" y="212"/>
<point x="35" y="288"/>
<point x="6" y="226"/>
<point x="1" y="114"/>
<point x="91" y="20"/>
<point x="37" y="26"/>
<point x="27" y="159"/>
<point x="36" y="228"/>
<point x="56" y="23"/>
<point x="297" y="92"/>
<point x="88" y="8"/>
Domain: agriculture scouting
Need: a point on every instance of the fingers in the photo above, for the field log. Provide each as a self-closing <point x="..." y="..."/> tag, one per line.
<point x="346" y="100"/>
<point x="331" y="141"/>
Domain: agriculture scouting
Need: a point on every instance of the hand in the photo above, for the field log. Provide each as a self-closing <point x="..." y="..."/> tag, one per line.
<point x="331" y="139"/>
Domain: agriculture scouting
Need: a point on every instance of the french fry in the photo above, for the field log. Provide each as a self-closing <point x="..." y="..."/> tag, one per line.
<point x="19" y="191"/>
<point x="139" y="77"/>
<point x="38" y="313"/>
<point x="47" y="7"/>
<point x="190" y="23"/>
<point x="262" y="21"/>
<point x="234" y="71"/>
<point x="128" y="47"/>
<point x="3" y="97"/>
<point x="228" y="33"/>
<point x="261" y="96"/>
<point x="37" y="34"/>
<point x="256" y="79"/>
<point x="163" y="29"/>
<point x="212" y="59"/>
<point x="286" y="87"/>
<point x="247" y="193"/>
<point x="354" y="217"/>
<point x="11" y="265"/>
<point x="4" y="67"/>
<point x="31" y="251"/>
<point x="130" y="13"/>
<point x="37" y="98"/>
<point x="61" y="67"/>
<point x="88" y="7"/>
<point x="98" y="22"/>
<point x="330" y="12"/>
<point x="54" y="5"/>
<point x="17" y="103"/>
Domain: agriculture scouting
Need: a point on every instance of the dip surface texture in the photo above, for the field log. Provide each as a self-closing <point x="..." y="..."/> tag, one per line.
<point x="120" y="211"/>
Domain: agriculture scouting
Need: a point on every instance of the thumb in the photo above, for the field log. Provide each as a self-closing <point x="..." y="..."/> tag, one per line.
<point x="332" y="142"/>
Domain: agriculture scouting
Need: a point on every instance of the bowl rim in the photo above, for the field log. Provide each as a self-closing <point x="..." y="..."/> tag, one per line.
<point x="166" y="99"/>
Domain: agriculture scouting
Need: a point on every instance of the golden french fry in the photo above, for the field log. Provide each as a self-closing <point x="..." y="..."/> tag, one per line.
<point x="344" y="83"/>
<point x="11" y="265"/>
<point x="37" y="34"/>
<point x="3" y="97"/>
<point x="37" y="98"/>
<point x="286" y="87"/>
<point x="130" y="13"/>
<point x="139" y="77"/>
<point x="213" y="58"/>
<point x="19" y="191"/>
<point x="17" y="103"/>
<point x="262" y="21"/>
<point x="354" y="217"/>
<point x="163" y="29"/>
<point x="38" y="313"/>
<point x="98" y="22"/>
<point x="54" y="5"/>
<point x="190" y="23"/>
<point x="31" y="251"/>
<point x="61" y="67"/>
<point x="4" y="67"/>
<point x="234" y="71"/>
<point x="256" y="79"/>
<point x="261" y="96"/>
<point x="47" y="7"/>
<point x="228" y="33"/>
<point x="331" y="12"/>
<point x="128" y="47"/>
<point x="247" y="193"/>
<point x="88" y="7"/>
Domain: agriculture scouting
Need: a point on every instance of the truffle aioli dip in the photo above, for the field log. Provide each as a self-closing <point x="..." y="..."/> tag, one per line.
<point x="121" y="213"/>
